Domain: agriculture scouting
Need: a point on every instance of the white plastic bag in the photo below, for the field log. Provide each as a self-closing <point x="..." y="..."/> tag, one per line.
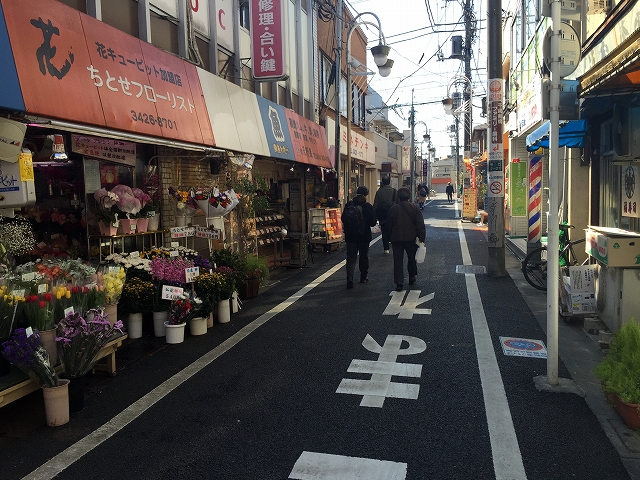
<point x="421" y="253"/>
<point x="376" y="229"/>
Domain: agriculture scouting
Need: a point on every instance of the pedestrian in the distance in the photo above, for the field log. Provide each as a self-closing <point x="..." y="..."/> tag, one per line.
<point x="449" y="192"/>
<point x="406" y="224"/>
<point x="422" y="196"/>
<point x="385" y="198"/>
<point x="357" y="219"/>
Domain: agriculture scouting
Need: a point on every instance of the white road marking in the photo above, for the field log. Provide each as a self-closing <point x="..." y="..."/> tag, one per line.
<point x="65" y="458"/>
<point x="407" y="310"/>
<point x="323" y="466"/>
<point x="507" y="459"/>
<point x="375" y="390"/>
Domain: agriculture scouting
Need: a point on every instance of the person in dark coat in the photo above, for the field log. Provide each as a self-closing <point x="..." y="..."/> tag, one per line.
<point x="386" y="195"/>
<point x="359" y="244"/>
<point x="406" y="224"/>
<point x="449" y="192"/>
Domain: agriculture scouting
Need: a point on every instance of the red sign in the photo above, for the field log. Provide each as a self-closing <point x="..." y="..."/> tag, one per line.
<point x="72" y="66"/>
<point x="267" y="39"/>
<point x="308" y="139"/>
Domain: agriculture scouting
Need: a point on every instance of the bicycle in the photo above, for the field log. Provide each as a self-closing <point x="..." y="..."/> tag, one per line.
<point x="534" y="265"/>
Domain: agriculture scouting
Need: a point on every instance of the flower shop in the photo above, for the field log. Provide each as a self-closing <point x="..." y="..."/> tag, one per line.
<point x="150" y="241"/>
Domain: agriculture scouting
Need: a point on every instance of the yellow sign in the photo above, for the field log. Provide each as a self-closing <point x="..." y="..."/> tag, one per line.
<point x="469" y="203"/>
<point x="26" y="166"/>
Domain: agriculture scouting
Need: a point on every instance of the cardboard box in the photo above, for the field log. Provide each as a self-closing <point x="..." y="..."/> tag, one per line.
<point x="583" y="303"/>
<point x="613" y="246"/>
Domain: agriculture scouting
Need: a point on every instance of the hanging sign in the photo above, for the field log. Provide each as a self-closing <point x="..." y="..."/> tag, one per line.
<point x="211" y="233"/>
<point x="495" y="161"/>
<point x="268" y="30"/>
<point x="631" y="192"/>
<point x="105" y="149"/>
<point x="182" y="232"/>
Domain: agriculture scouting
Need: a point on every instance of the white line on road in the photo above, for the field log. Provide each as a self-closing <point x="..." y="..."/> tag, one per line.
<point x="507" y="459"/>
<point x="65" y="458"/>
<point x="323" y="466"/>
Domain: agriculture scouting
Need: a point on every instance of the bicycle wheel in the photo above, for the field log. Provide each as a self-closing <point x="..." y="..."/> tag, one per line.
<point x="534" y="268"/>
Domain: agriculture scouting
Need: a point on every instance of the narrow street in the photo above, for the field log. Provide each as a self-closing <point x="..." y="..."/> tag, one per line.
<point x="314" y="381"/>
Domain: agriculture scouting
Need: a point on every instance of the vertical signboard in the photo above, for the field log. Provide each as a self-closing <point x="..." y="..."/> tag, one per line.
<point x="495" y="161"/>
<point x="630" y="192"/>
<point x="518" y="188"/>
<point x="268" y="31"/>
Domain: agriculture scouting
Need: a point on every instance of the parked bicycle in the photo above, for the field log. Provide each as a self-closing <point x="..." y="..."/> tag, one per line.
<point x="534" y="265"/>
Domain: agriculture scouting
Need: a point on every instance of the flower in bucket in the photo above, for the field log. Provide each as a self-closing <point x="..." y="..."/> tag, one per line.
<point x="24" y="350"/>
<point x="127" y="203"/>
<point x="137" y="295"/>
<point x="185" y="203"/>
<point x="183" y="308"/>
<point x="106" y="201"/>
<point x="39" y="311"/>
<point x="10" y="308"/>
<point x="79" y="340"/>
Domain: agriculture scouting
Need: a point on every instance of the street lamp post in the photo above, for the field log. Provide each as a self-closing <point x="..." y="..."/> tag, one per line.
<point x="448" y="105"/>
<point x="380" y="56"/>
<point x="426" y="137"/>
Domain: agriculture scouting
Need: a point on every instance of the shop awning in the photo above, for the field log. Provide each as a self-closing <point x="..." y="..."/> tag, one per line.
<point x="572" y="134"/>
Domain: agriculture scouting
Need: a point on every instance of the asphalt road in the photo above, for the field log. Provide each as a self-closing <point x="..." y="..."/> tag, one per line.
<point x="314" y="381"/>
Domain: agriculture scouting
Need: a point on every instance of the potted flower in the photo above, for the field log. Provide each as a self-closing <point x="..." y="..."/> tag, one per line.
<point x="142" y="217"/>
<point x="137" y="298"/>
<point x="111" y="281"/>
<point x="39" y="314"/>
<point x="182" y="310"/>
<point x="107" y="217"/>
<point x="185" y="205"/>
<point x="160" y="310"/>
<point x="206" y="288"/>
<point x="79" y="340"/>
<point x="619" y="373"/>
<point x="129" y="206"/>
<point x="24" y="350"/>
<point x="225" y="279"/>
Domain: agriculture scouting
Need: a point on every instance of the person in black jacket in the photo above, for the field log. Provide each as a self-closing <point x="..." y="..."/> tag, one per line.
<point x="359" y="243"/>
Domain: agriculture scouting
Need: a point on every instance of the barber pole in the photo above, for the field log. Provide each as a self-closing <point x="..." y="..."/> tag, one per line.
<point x="535" y="199"/>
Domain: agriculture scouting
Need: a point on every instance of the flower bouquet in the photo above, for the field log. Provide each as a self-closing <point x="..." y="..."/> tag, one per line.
<point x="107" y="218"/>
<point x="129" y="206"/>
<point x="24" y="350"/>
<point x="215" y="203"/>
<point x="186" y="205"/>
<point x="112" y="281"/>
<point x="10" y="307"/>
<point x="39" y="311"/>
<point x="79" y="340"/>
<point x="183" y="309"/>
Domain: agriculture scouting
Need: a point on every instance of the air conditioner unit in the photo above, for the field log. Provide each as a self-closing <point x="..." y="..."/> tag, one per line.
<point x="620" y="130"/>
<point x="598" y="6"/>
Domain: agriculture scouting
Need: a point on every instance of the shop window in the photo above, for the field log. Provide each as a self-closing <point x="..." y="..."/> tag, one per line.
<point x="123" y="15"/>
<point x="164" y="33"/>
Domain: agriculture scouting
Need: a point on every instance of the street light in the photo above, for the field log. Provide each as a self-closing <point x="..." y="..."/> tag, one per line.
<point x="449" y="108"/>
<point x="412" y="168"/>
<point x="380" y="56"/>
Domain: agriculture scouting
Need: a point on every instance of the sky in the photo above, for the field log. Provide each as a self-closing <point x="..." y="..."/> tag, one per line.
<point x="417" y="75"/>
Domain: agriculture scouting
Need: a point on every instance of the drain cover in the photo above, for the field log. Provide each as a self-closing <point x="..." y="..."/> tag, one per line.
<point x="472" y="269"/>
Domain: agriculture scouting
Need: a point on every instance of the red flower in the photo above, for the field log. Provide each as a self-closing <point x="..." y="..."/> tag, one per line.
<point x="48" y="297"/>
<point x="42" y="304"/>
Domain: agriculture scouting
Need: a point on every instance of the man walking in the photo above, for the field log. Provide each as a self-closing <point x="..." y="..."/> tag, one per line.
<point x="449" y="192"/>
<point x="357" y="219"/>
<point x="406" y="224"/>
<point x="385" y="198"/>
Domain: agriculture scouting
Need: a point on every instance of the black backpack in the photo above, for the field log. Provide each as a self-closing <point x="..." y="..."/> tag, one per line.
<point x="352" y="220"/>
<point x="384" y="207"/>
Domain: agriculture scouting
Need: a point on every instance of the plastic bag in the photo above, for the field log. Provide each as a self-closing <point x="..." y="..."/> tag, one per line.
<point x="376" y="229"/>
<point x="421" y="253"/>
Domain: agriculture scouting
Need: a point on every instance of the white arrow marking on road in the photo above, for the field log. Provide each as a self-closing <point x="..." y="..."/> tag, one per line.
<point x="323" y="466"/>
<point x="407" y="310"/>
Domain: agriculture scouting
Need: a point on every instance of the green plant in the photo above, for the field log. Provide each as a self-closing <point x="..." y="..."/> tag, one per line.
<point x="255" y="266"/>
<point x="137" y="295"/>
<point x="619" y="371"/>
<point x="253" y="194"/>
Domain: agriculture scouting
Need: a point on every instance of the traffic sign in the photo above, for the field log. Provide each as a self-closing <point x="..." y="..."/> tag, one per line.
<point x="523" y="347"/>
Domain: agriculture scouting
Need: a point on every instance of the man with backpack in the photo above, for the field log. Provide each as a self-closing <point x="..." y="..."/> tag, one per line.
<point x="385" y="198"/>
<point x="357" y="219"/>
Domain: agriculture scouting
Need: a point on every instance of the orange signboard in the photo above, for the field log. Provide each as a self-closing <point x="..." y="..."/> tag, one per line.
<point x="74" y="67"/>
<point x="309" y="140"/>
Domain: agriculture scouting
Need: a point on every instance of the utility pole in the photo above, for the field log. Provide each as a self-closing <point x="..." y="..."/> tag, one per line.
<point x="469" y="33"/>
<point x="495" y="161"/>
<point x="412" y="154"/>
<point x="336" y="82"/>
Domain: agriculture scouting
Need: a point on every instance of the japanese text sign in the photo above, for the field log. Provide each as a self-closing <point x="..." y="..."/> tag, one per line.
<point x="93" y="73"/>
<point x="267" y="39"/>
<point x="169" y="292"/>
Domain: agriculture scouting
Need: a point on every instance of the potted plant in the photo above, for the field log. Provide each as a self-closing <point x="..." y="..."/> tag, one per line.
<point x="225" y="284"/>
<point x="182" y="310"/>
<point x="206" y="288"/>
<point x="142" y="217"/>
<point x="137" y="298"/>
<point x="24" y="349"/>
<point x="161" y="308"/>
<point x="256" y="272"/>
<point x="619" y="373"/>
<point x="79" y="340"/>
<point x="107" y="217"/>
